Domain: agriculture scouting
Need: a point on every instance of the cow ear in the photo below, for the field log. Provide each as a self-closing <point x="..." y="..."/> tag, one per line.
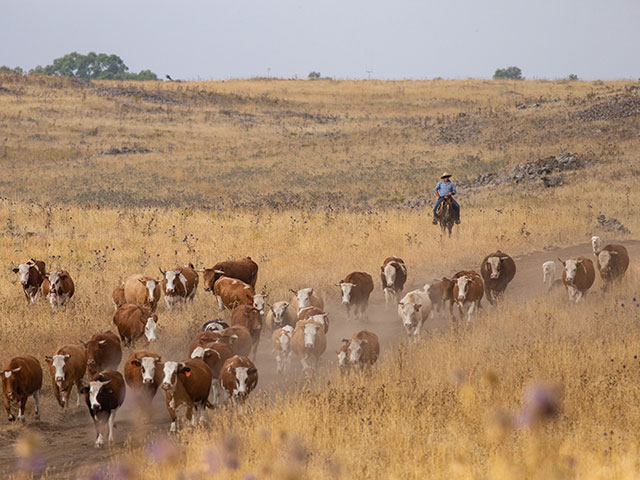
<point x="15" y="270"/>
<point x="85" y="388"/>
<point x="417" y="307"/>
<point x="48" y="359"/>
<point x="252" y="371"/>
<point x="135" y="363"/>
<point x="159" y="360"/>
<point x="67" y="356"/>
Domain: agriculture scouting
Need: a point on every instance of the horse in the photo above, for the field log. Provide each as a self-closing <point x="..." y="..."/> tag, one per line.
<point x="446" y="215"/>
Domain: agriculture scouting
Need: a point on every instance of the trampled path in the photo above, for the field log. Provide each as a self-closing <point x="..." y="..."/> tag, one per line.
<point x="69" y="437"/>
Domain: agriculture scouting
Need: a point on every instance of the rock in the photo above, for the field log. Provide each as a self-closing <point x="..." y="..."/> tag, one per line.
<point x="611" y="225"/>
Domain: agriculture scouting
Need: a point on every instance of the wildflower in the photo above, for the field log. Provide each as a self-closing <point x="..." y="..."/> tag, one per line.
<point x="541" y="403"/>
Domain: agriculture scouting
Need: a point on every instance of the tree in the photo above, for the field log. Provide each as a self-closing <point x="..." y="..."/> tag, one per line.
<point x="511" y="73"/>
<point x="97" y="66"/>
<point x="313" y="75"/>
<point x="573" y="77"/>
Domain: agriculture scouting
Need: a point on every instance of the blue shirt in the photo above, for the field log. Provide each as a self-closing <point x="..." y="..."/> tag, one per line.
<point x="445" y="188"/>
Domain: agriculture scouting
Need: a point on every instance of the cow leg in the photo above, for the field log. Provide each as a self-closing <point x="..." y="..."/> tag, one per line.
<point x="168" y="302"/>
<point x="110" y="423"/>
<point x="78" y="387"/>
<point x="36" y="401"/>
<point x="99" y="437"/>
<point x="189" y="414"/>
<point x="21" y="408"/>
<point x="220" y="304"/>
<point x="171" y="408"/>
<point x="490" y="296"/>
<point x="471" y="311"/>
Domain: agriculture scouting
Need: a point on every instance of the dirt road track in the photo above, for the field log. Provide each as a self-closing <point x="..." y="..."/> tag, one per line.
<point x="69" y="436"/>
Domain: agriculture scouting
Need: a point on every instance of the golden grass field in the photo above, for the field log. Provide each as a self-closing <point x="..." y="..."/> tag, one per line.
<point x="311" y="179"/>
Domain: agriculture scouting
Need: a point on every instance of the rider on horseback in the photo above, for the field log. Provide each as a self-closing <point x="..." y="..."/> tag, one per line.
<point x="445" y="188"/>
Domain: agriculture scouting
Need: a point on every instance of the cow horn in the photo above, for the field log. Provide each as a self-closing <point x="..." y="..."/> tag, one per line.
<point x="219" y="271"/>
<point x="161" y="271"/>
<point x="293" y="291"/>
<point x="561" y="261"/>
<point x="83" y="342"/>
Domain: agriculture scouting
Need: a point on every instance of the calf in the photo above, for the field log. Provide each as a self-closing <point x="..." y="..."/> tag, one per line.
<point x="67" y="367"/>
<point x="315" y="314"/>
<point x="248" y="317"/>
<point x="467" y="293"/>
<point x="549" y="273"/>
<point x="143" y="375"/>
<point x="612" y="260"/>
<point x="216" y="325"/>
<point x="308" y="342"/>
<point x="31" y="274"/>
<point x="179" y="285"/>
<point x="133" y="322"/>
<point x="118" y="297"/>
<point x="238" y="377"/>
<point x="413" y="310"/>
<point x="497" y="270"/>
<point x="245" y="270"/>
<point x="21" y="378"/>
<point x="231" y="292"/>
<point x="306" y="297"/>
<point x="143" y="291"/>
<point x="356" y="289"/>
<point x="440" y="293"/>
<point x="281" y="341"/>
<point x="279" y="315"/>
<point x="214" y="355"/>
<point x="578" y="277"/>
<point x="362" y="350"/>
<point x="104" y="394"/>
<point x="61" y="288"/>
<point x="186" y="383"/>
<point x="393" y="275"/>
<point x="103" y="351"/>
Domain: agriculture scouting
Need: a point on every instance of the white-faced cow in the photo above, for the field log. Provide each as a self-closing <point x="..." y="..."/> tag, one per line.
<point x="578" y="277"/>
<point x="279" y="315"/>
<point x="186" y="383"/>
<point x="104" y="394"/>
<point x="133" y="323"/>
<point x="468" y="291"/>
<point x="238" y="377"/>
<point x="281" y="341"/>
<point x="612" y="260"/>
<point x="356" y="289"/>
<point x="308" y="342"/>
<point x="413" y="310"/>
<point x="245" y="270"/>
<point x="61" y="288"/>
<point x="31" y="275"/>
<point x="231" y="292"/>
<point x="67" y="367"/>
<point x="497" y="270"/>
<point x="393" y="275"/>
<point x="21" y="378"/>
<point x="143" y="375"/>
<point x="179" y="285"/>
<point x="143" y="291"/>
<point x="315" y="314"/>
<point x="360" y="351"/>
<point x="306" y="297"/>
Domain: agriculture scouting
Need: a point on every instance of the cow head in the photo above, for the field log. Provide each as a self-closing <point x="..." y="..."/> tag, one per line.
<point x="171" y="371"/>
<point x="464" y="283"/>
<point x="278" y="310"/>
<point x="304" y="297"/>
<point x="11" y="384"/>
<point x="58" y="362"/>
<point x="355" y="349"/>
<point x="244" y="383"/>
<point x="494" y="266"/>
<point x="55" y="281"/>
<point x="596" y="244"/>
<point x="150" y="328"/>
<point x="172" y="277"/>
<point x="322" y="319"/>
<point x="570" y="269"/>
<point x="207" y="278"/>
<point x="151" y="285"/>
<point x="410" y="314"/>
<point x="147" y="366"/>
<point x="347" y="289"/>
<point x="24" y="271"/>
<point x="548" y="271"/>
<point x="92" y="392"/>
<point x="310" y="331"/>
<point x="259" y="302"/>
<point x="343" y="355"/>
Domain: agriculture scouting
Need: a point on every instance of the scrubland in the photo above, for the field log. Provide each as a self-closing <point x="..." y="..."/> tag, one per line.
<point x="314" y="180"/>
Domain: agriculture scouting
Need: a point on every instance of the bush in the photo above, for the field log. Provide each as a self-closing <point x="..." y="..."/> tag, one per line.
<point x="573" y="77"/>
<point x="313" y="75"/>
<point x="511" y="73"/>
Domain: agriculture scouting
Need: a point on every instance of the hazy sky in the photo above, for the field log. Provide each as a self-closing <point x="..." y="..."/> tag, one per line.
<point x="207" y="39"/>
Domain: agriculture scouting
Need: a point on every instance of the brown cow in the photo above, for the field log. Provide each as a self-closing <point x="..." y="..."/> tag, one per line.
<point x="279" y="315"/>
<point x="104" y="394"/>
<point x="356" y="289"/>
<point x="67" y="367"/>
<point x="187" y="382"/>
<point x="245" y="270"/>
<point x="61" y="288"/>
<point x="21" y="378"/>
<point x="362" y="350"/>
<point x="306" y="297"/>
<point x="203" y="338"/>
<point x="32" y="274"/>
<point x="238" y="377"/>
<point x="250" y="318"/>
<point x="231" y="292"/>
<point x="393" y="275"/>
<point x="309" y="343"/>
<point x="214" y="355"/>
<point x="578" y="277"/>
<point x="143" y="374"/>
<point x="497" y="270"/>
<point x="118" y="297"/>
<point x="103" y="351"/>
<point x="143" y="291"/>
<point x="239" y="339"/>
<point x="315" y="314"/>
<point x="179" y="285"/>
<point x="440" y="293"/>
<point x="468" y="291"/>
<point x="612" y="260"/>
<point x="133" y="322"/>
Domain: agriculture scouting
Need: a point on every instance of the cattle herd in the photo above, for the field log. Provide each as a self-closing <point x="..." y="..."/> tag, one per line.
<point x="220" y="367"/>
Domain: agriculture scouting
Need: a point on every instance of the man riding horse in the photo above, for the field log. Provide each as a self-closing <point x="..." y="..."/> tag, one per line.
<point x="446" y="189"/>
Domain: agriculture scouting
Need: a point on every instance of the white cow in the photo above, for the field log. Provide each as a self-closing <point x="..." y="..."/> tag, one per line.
<point x="413" y="310"/>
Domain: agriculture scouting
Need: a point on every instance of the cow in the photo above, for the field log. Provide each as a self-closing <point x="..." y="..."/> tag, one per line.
<point x="356" y="289"/>
<point x="468" y="291"/>
<point x="393" y="275"/>
<point x="279" y="315"/>
<point x="308" y="342"/>
<point x="61" y="288"/>
<point x="31" y="274"/>
<point x="239" y="339"/>
<point x="238" y="377"/>
<point x="133" y="322"/>
<point x="248" y="317"/>
<point x="362" y="350"/>
<point x="612" y="260"/>
<point x="281" y="341"/>
<point x="231" y="292"/>
<point x="104" y="394"/>
<point x="186" y="383"/>
<point x="21" y="378"/>
<point x="440" y="292"/>
<point x="216" y="325"/>
<point x="203" y="338"/>
<point x="214" y="355"/>
<point x="143" y="374"/>
<point x="306" y="297"/>
<point x="414" y="309"/>
<point x="245" y="270"/>
<point x="315" y="314"/>
<point x="179" y="285"/>
<point x="118" y="297"/>
<point x="578" y="277"/>
<point x="103" y="351"/>
<point x="143" y="291"/>
<point x="497" y="270"/>
<point x="259" y="301"/>
<point x="67" y="367"/>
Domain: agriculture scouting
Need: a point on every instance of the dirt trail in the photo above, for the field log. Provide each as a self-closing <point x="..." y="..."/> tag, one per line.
<point x="69" y="436"/>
